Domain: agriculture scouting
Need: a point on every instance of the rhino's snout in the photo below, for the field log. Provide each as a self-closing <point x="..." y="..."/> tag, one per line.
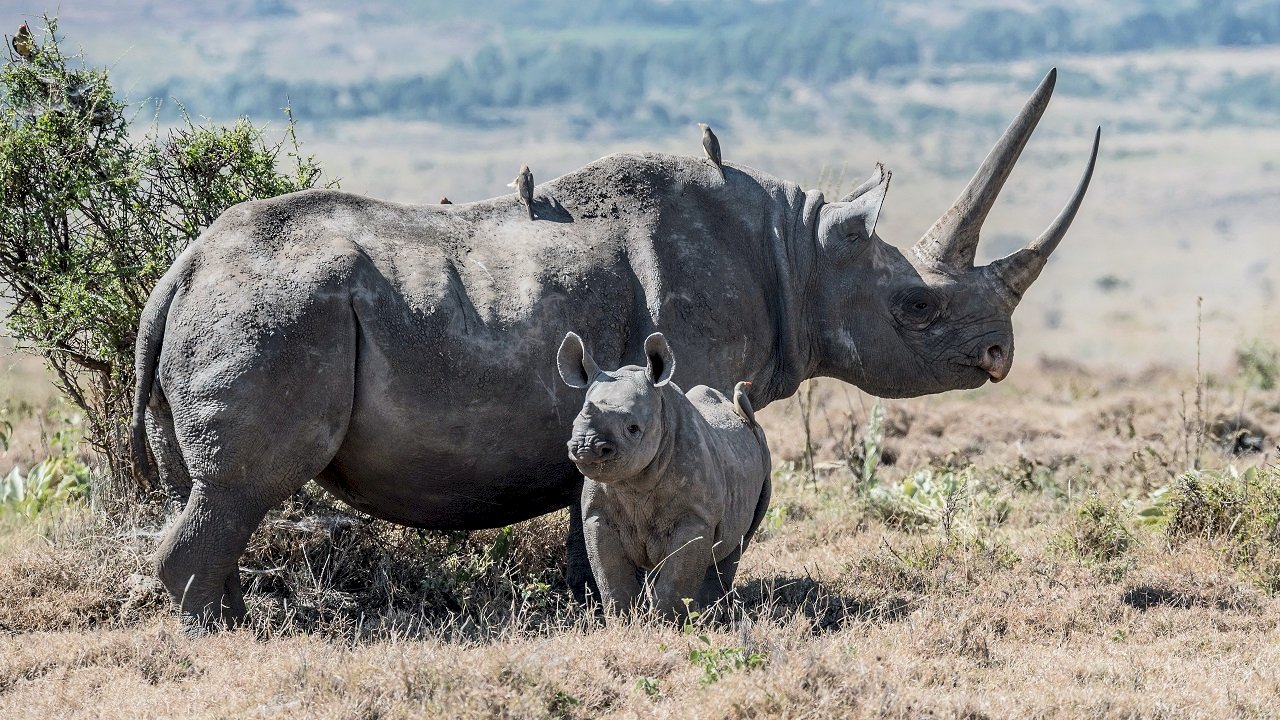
<point x="591" y="450"/>
<point x="996" y="360"/>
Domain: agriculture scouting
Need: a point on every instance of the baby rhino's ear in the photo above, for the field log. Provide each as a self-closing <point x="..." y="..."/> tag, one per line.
<point x="577" y="369"/>
<point x="661" y="363"/>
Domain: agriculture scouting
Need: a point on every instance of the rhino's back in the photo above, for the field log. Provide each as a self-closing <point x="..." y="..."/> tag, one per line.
<point x="733" y="454"/>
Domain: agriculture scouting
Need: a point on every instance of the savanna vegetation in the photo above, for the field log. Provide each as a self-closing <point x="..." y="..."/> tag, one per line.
<point x="1076" y="541"/>
<point x="1045" y="548"/>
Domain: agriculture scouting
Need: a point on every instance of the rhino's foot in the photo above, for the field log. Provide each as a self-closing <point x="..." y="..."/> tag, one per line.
<point x="577" y="564"/>
<point x="205" y="613"/>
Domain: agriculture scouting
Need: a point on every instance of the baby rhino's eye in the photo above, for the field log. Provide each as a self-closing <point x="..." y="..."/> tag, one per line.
<point x="633" y="430"/>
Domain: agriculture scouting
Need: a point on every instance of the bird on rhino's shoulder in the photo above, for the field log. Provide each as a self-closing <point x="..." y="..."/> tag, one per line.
<point x="742" y="402"/>
<point x="711" y="146"/>
<point x="524" y="188"/>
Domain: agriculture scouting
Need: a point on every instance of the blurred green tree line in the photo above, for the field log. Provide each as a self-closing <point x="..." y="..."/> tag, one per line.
<point x="636" y="61"/>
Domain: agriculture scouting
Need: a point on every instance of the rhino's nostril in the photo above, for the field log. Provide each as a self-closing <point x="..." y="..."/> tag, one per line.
<point x="995" y="362"/>
<point x="604" y="449"/>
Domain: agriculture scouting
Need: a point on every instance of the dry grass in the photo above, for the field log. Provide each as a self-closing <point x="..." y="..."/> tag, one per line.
<point x="1019" y="601"/>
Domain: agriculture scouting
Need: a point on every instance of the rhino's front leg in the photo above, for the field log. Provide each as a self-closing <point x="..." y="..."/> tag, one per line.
<point x="616" y="575"/>
<point x="680" y="576"/>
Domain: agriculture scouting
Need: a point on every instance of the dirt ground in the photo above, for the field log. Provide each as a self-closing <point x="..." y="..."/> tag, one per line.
<point x="1035" y="572"/>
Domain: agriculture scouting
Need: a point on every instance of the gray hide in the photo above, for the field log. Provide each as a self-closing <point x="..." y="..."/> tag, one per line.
<point x="673" y="482"/>
<point x="398" y="354"/>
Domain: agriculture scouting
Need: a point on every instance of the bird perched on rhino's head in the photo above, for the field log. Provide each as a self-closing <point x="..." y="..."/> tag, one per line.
<point x="524" y="188"/>
<point x="23" y="43"/>
<point x="711" y="145"/>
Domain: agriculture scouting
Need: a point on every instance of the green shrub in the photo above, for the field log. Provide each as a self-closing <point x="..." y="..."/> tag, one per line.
<point x="928" y="497"/>
<point x="59" y="480"/>
<point x="92" y="214"/>
<point x="649" y="686"/>
<point x="716" y="662"/>
<point x="1098" y="535"/>
<point x="1238" y="512"/>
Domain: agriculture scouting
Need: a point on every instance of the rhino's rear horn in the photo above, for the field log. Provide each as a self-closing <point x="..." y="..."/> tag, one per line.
<point x="1019" y="270"/>
<point x="952" y="242"/>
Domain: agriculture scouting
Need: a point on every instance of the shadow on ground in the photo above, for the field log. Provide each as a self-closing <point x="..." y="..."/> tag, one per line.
<point x="827" y="609"/>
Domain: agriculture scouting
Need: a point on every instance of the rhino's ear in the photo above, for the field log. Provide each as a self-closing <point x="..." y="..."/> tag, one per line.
<point x="855" y="219"/>
<point x="661" y="363"/>
<point x="577" y="369"/>
<point x="877" y="178"/>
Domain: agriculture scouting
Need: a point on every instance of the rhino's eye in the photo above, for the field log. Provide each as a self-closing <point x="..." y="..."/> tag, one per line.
<point x="633" y="430"/>
<point x="917" y="307"/>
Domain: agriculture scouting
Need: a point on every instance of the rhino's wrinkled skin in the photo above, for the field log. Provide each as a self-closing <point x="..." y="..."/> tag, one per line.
<point x="674" y="482"/>
<point x="398" y="353"/>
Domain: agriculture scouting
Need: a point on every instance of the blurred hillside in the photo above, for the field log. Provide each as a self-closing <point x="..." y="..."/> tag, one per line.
<point x="635" y="67"/>
<point x="410" y="101"/>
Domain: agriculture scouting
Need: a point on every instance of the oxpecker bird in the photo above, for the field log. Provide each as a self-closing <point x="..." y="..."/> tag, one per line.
<point x="445" y="201"/>
<point x="524" y="187"/>
<point x="23" y="43"/>
<point x="742" y="403"/>
<point x="711" y="144"/>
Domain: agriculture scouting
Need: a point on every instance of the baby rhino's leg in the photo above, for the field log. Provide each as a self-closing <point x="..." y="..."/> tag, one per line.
<point x="680" y="576"/>
<point x="719" y="579"/>
<point x="616" y="576"/>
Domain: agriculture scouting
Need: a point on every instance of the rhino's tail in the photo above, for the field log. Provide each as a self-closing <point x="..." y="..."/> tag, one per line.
<point x="146" y="357"/>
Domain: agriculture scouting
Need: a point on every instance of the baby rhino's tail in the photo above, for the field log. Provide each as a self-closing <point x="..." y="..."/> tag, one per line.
<point x="742" y="403"/>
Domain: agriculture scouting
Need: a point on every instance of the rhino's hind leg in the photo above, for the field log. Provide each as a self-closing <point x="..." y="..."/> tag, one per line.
<point x="248" y="444"/>
<point x="718" y="581"/>
<point x="198" y="560"/>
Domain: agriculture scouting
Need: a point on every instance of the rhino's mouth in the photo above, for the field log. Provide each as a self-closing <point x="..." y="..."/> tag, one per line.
<point x="978" y="376"/>
<point x="590" y="468"/>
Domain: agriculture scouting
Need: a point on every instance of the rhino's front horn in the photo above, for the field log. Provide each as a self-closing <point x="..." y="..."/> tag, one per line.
<point x="1019" y="270"/>
<point x="953" y="240"/>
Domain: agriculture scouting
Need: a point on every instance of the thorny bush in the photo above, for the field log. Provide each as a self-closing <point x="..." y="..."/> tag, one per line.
<point x="91" y="216"/>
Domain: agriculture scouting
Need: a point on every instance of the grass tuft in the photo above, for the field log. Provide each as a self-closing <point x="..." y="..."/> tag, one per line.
<point x="1098" y="536"/>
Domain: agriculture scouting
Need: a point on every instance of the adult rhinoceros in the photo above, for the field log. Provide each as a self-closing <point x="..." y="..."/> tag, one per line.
<point x="403" y="356"/>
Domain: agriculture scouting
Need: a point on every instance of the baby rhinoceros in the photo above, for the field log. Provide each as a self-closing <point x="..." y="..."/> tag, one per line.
<point x="676" y="483"/>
